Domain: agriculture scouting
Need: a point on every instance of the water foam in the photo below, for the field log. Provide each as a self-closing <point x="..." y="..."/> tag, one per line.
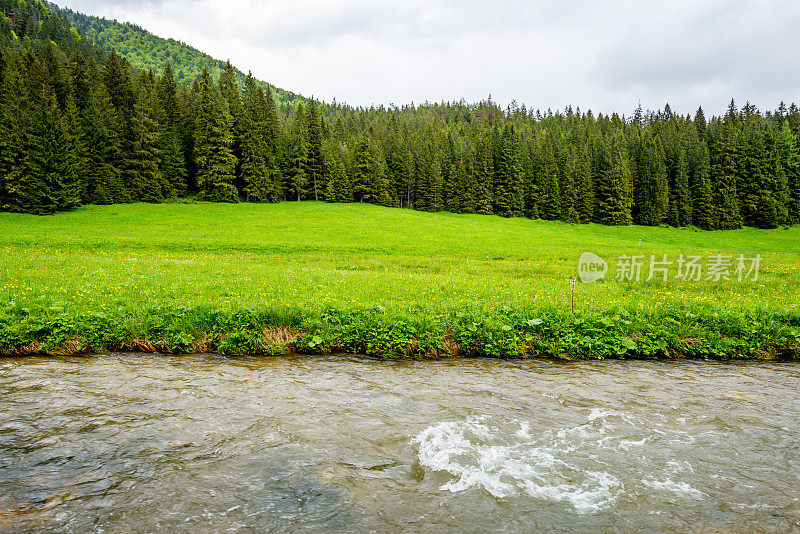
<point x="582" y="466"/>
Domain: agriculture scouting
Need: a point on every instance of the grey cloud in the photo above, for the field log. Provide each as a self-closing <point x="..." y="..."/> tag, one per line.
<point x="599" y="54"/>
<point x="745" y="48"/>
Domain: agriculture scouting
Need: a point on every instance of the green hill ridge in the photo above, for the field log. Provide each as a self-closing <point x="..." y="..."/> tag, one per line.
<point x="144" y="50"/>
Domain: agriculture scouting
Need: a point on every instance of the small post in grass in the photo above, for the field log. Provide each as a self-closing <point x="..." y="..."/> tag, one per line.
<point x="572" y="293"/>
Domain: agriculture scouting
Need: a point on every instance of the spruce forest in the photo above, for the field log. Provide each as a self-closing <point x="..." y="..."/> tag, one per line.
<point x="80" y="125"/>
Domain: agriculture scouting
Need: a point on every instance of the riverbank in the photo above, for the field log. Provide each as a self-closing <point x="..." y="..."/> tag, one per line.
<point x="320" y="278"/>
<point x="524" y="333"/>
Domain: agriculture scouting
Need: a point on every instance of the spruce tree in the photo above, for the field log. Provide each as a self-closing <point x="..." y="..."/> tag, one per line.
<point x="254" y="160"/>
<point x="613" y="182"/>
<point x="274" y="141"/>
<point x="216" y="165"/>
<point x="14" y="125"/>
<point x="361" y="170"/>
<point x="549" y="193"/>
<point x="436" y="182"/>
<point x="150" y="185"/>
<point x="49" y="169"/>
<point x="171" y="162"/>
<point x="75" y="166"/>
<point x="651" y="200"/>
<point x="483" y="170"/>
<point x="339" y="188"/>
<point x="117" y="81"/>
<point x="103" y="179"/>
<point x="507" y="175"/>
<point x="724" y="171"/>
<point x="789" y="163"/>
<point x="584" y="186"/>
<point x="297" y="177"/>
<point x="297" y="172"/>
<point x="315" y="168"/>
<point x="680" y="197"/>
<point x="232" y="103"/>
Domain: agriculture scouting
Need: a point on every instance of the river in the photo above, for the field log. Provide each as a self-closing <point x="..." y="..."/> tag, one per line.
<point x="135" y="443"/>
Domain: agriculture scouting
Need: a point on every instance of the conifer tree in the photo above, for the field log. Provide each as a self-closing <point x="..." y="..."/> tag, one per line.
<point x="339" y="188"/>
<point x="255" y="174"/>
<point x="680" y="202"/>
<point x="103" y="180"/>
<point x="49" y="182"/>
<point x="297" y="173"/>
<point x="725" y="170"/>
<point x="297" y="177"/>
<point x="566" y="165"/>
<point x="216" y="165"/>
<point x="274" y="140"/>
<point x="549" y="192"/>
<point x="361" y="170"/>
<point x="507" y="175"/>
<point x="789" y="163"/>
<point x="466" y="188"/>
<point x="75" y="166"/>
<point x="699" y="169"/>
<point x="436" y="181"/>
<point x="14" y="125"/>
<point x="483" y="170"/>
<point x="613" y="182"/>
<point x="316" y="162"/>
<point x="117" y="80"/>
<point x="652" y="196"/>
<point x="231" y="100"/>
<point x="150" y="185"/>
<point x="171" y="160"/>
<point x="584" y="188"/>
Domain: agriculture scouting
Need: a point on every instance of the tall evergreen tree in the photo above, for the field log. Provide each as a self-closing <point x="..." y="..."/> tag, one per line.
<point x="339" y="188"/>
<point x="171" y="160"/>
<point x="255" y="174"/>
<point x="315" y="166"/>
<point x="613" y="182"/>
<point x="216" y="165"/>
<point x="789" y="162"/>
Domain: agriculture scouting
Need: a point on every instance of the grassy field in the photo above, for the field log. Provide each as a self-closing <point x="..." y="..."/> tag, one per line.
<point x="316" y="277"/>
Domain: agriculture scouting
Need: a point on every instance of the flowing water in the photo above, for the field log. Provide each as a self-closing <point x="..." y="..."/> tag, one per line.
<point x="131" y="443"/>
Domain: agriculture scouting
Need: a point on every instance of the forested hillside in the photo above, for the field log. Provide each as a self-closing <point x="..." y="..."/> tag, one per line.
<point x="80" y="125"/>
<point x="144" y="50"/>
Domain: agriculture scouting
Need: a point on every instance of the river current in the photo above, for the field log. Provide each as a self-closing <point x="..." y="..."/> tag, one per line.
<point x="134" y="443"/>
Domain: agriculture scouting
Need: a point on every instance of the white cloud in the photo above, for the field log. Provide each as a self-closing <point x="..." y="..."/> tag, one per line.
<point x="605" y="54"/>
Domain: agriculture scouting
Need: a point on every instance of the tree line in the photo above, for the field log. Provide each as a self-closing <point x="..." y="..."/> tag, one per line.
<point x="144" y="50"/>
<point x="80" y="125"/>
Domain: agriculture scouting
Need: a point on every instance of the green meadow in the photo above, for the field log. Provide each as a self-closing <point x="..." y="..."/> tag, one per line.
<point x="316" y="277"/>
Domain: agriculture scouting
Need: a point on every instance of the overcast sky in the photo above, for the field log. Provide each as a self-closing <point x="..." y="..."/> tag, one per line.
<point x="600" y="54"/>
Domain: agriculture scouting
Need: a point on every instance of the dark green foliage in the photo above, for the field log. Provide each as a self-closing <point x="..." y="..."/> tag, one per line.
<point x="339" y="187"/>
<point x="171" y="161"/>
<point x="142" y="120"/>
<point x="315" y="162"/>
<point x="361" y="170"/>
<point x="103" y="182"/>
<point x="650" y="182"/>
<point x="788" y="158"/>
<point x="255" y="172"/>
<point x="519" y="332"/>
<point x="613" y="188"/>
<point x="216" y="164"/>
<point x="145" y="50"/>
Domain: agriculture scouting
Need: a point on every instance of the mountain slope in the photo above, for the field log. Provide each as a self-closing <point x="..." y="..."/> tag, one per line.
<point x="144" y="50"/>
